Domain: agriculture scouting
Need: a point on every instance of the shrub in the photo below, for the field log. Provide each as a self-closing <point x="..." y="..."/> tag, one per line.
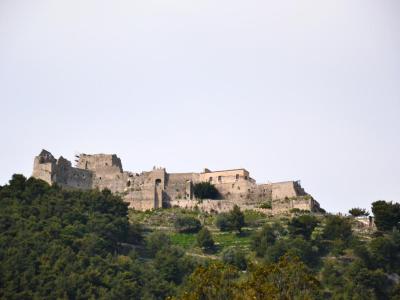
<point x="157" y="241"/>
<point x="235" y="257"/>
<point x="234" y="220"/>
<point x="303" y="225"/>
<point x="237" y="218"/>
<point x="337" y="228"/>
<point x="187" y="224"/>
<point x="387" y="215"/>
<point x="265" y="238"/>
<point x="205" y="190"/>
<point x="135" y="233"/>
<point x="205" y="240"/>
<point x="358" y="212"/>
<point x="266" y="205"/>
<point x="222" y="222"/>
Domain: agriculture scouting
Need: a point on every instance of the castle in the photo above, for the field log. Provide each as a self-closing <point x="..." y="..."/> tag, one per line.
<point x="157" y="188"/>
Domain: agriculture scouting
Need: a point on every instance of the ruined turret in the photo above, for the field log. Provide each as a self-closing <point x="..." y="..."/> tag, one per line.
<point x="44" y="166"/>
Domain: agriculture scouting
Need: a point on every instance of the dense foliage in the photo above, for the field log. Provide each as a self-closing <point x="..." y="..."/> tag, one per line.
<point x="205" y="190"/>
<point x="358" y="212"/>
<point x="59" y="244"/>
<point x="73" y="245"/>
<point x="234" y="220"/>
<point x="187" y="224"/>
<point x="205" y="240"/>
<point x="387" y="215"/>
<point x="287" y="279"/>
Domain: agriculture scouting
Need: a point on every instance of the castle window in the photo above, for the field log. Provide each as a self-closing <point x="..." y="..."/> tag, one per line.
<point x="237" y="176"/>
<point x="219" y="178"/>
<point x="128" y="184"/>
<point x="245" y="177"/>
<point x="210" y="179"/>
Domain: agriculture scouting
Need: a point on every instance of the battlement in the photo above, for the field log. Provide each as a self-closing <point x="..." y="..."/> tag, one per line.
<point x="158" y="188"/>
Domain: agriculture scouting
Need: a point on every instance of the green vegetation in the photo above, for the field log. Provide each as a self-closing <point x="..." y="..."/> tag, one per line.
<point x="266" y="205"/>
<point x="205" y="190"/>
<point x="187" y="224"/>
<point x="205" y="240"/>
<point x="235" y="257"/>
<point x="387" y="215"/>
<point x="58" y="244"/>
<point x="358" y="212"/>
<point x="234" y="220"/>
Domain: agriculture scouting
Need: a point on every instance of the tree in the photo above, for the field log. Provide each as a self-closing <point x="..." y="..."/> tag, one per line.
<point x="234" y="220"/>
<point x="205" y="240"/>
<point x="205" y="190"/>
<point x="187" y="224"/>
<point x="289" y="278"/>
<point x="235" y="257"/>
<point x="266" y="237"/>
<point x="237" y="218"/>
<point x="337" y="228"/>
<point x="385" y="251"/>
<point x="358" y="212"/>
<point x="157" y="241"/>
<point x="172" y="264"/>
<point x="64" y="244"/>
<point x="215" y="281"/>
<point x="297" y="247"/>
<point x="387" y="215"/>
<point x="303" y="225"/>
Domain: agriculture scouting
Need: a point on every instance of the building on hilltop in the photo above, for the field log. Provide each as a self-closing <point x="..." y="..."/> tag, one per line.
<point x="157" y="188"/>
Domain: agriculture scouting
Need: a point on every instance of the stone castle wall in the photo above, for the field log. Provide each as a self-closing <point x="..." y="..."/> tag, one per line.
<point x="157" y="188"/>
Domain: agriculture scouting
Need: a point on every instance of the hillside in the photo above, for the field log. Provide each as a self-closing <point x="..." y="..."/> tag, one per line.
<point x="60" y="244"/>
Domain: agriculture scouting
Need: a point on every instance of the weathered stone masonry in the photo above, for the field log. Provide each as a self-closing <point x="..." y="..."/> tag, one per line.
<point x="157" y="188"/>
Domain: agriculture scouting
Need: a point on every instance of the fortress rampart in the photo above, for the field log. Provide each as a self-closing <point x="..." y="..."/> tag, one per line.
<point x="157" y="188"/>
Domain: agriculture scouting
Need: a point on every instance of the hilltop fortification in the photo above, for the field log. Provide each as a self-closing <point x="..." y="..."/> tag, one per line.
<point x="158" y="188"/>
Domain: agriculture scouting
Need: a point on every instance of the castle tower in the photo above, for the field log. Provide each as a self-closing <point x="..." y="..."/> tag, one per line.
<point x="44" y="166"/>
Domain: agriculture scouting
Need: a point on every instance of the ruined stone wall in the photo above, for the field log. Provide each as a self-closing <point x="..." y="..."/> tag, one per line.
<point x="43" y="171"/>
<point x="281" y="190"/>
<point x="157" y="188"/>
<point x="67" y="176"/>
<point x="227" y="176"/>
<point x="177" y="185"/>
<point x="102" y="164"/>
<point x="300" y="202"/>
<point x="44" y="166"/>
<point x="205" y="205"/>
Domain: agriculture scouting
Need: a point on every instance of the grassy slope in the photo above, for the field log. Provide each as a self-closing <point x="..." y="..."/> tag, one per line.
<point x="163" y="220"/>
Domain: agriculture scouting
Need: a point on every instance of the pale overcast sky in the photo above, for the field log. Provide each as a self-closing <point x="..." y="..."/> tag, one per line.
<point x="289" y="90"/>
